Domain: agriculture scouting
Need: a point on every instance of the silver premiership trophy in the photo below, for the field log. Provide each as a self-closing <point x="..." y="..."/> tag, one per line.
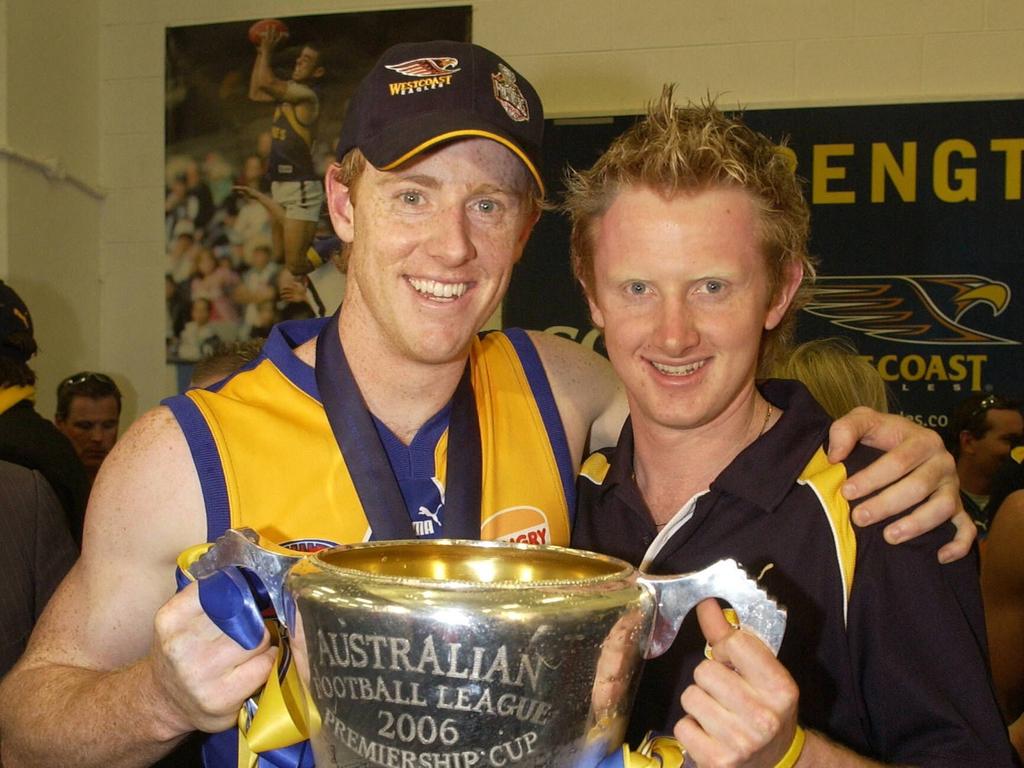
<point x="460" y="654"/>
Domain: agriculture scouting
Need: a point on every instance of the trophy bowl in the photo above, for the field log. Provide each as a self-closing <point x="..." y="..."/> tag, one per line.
<point x="466" y="654"/>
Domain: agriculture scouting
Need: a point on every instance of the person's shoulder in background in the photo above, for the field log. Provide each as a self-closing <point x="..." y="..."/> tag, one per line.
<point x="37" y="551"/>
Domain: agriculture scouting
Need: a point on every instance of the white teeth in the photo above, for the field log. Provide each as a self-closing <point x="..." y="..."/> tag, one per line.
<point x="436" y="289"/>
<point x="678" y="370"/>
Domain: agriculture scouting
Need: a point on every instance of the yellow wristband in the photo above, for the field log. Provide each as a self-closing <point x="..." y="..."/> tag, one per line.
<point x="795" y="748"/>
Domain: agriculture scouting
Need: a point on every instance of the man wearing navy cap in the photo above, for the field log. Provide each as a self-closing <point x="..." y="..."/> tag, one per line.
<point x="366" y="425"/>
<point x="26" y="438"/>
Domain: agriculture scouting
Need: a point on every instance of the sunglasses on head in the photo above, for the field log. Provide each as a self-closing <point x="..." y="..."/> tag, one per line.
<point x="989" y="402"/>
<point x="80" y="378"/>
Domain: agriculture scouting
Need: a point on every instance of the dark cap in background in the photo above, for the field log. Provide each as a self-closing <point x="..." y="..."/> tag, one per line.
<point x="419" y="95"/>
<point x="16" y="334"/>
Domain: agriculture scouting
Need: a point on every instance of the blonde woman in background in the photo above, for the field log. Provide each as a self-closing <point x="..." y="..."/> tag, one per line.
<point x="835" y="373"/>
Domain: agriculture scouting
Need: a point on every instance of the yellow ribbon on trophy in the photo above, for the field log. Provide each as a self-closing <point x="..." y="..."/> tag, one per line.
<point x="655" y="751"/>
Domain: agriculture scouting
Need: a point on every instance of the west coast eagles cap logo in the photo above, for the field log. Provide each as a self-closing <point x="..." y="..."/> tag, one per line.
<point x="508" y="94"/>
<point x="429" y="73"/>
<point x="426" y="67"/>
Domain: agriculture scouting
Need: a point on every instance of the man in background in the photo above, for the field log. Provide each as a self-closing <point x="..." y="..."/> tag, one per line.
<point x="982" y="431"/>
<point x="89" y="414"/>
<point x="26" y="438"/>
<point x="1002" y="585"/>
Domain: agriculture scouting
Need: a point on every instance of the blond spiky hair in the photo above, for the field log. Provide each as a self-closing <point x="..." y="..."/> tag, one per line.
<point x="683" y="149"/>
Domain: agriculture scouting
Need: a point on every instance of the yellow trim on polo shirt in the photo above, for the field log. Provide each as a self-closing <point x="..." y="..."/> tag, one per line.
<point x="826" y="480"/>
<point x="595" y="468"/>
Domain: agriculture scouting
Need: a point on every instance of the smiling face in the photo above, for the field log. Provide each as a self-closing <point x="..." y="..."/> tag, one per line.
<point x="681" y="290"/>
<point x="433" y="246"/>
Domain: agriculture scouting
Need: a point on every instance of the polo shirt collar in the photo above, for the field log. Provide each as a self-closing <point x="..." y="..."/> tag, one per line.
<point x="785" y="449"/>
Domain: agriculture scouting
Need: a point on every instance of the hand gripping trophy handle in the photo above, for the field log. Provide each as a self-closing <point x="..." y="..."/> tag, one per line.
<point x="234" y="574"/>
<point x="677" y="595"/>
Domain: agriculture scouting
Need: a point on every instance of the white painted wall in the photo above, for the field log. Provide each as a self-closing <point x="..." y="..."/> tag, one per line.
<point x="91" y="93"/>
<point x="50" y="226"/>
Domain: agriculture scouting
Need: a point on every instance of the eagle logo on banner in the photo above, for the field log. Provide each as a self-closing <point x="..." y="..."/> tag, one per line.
<point x="913" y="309"/>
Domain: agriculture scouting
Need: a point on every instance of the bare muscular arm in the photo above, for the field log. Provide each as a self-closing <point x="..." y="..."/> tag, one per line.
<point x="102" y="683"/>
<point x="263" y="86"/>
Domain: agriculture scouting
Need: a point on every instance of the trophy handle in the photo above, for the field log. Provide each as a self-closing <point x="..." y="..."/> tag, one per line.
<point x="676" y="596"/>
<point x="237" y="573"/>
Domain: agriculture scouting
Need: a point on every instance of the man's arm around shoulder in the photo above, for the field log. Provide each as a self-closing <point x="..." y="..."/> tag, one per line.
<point x="119" y="667"/>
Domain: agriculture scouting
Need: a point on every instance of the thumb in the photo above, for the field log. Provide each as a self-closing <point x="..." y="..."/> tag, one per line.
<point x="713" y="623"/>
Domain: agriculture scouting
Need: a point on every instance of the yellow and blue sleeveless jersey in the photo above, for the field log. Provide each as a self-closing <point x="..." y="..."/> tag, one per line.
<point x="887" y="645"/>
<point x="291" y="145"/>
<point x="267" y="459"/>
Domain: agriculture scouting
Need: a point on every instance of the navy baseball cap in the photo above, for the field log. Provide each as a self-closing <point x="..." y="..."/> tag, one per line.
<point x="16" y="339"/>
<point x="419" y="95"/>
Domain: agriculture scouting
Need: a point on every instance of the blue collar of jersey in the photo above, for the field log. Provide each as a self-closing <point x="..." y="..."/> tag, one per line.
<point x="367" y="460"/>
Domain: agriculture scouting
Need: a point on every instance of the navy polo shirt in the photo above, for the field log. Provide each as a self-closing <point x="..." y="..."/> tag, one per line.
<point x="887" y="645"/>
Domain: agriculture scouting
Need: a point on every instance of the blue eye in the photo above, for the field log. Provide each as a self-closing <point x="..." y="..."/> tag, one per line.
<point x="637" y="288"/>
<point x="487" y="206"/>
<point x="412" y="198"/>
<point x="714" y="286"/>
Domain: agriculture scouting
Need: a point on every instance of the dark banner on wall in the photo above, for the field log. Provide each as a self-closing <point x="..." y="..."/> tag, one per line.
<point x="917" y="219"/>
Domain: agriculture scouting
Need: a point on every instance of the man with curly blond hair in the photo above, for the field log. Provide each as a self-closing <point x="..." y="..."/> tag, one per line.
<point x="690" y="240"/>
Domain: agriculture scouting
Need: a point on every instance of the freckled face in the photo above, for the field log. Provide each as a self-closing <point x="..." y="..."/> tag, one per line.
<point x="681" y="291"/>
<point x="433" y="246"/>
